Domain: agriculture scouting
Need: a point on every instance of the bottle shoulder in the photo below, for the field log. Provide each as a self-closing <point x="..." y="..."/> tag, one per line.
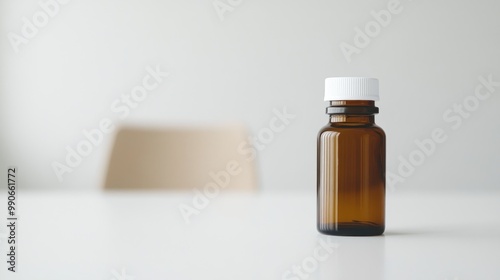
<point x="332" y="126"/>
<point x="352" y="129"/>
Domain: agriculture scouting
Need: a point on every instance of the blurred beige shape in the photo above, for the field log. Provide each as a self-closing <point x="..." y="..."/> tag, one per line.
<point x="179" y="158"/>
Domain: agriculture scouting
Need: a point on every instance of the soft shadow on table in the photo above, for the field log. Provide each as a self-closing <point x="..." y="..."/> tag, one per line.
<point x="436" y="231"/>
<point x="448" y="232"/>
<point x="410" y="232"/>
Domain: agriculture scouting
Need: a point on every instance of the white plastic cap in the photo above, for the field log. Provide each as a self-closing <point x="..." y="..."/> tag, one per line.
<point x="351" y="88"/>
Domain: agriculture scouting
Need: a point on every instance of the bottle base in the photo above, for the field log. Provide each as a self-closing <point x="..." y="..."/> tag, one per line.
<point x="352" y="229"/>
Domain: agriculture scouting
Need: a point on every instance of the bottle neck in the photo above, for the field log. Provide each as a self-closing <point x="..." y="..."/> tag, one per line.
<point x="352" y="112"/>
<point x="352" y="119"/>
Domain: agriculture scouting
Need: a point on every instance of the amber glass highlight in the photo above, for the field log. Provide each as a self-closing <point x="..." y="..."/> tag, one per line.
<point x="351" y="173"/>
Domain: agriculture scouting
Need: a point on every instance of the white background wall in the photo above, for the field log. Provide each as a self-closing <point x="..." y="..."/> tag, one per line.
<point x="263" y="55"/>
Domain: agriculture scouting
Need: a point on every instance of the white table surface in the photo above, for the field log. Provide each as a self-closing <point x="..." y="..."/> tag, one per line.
<point x="141" y="236"/>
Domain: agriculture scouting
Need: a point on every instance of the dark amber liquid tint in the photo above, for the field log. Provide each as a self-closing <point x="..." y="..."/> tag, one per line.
<point x="351" y="174"/>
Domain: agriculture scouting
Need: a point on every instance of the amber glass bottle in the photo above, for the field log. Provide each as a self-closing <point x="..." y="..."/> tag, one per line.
<point x="351" y="160"/>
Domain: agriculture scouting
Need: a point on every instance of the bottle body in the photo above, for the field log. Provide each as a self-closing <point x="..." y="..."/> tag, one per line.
<point x="351" y="175"/>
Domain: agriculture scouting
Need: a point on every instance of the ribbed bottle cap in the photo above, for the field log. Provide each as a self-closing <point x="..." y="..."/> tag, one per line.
<point x="351" y="88"/>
